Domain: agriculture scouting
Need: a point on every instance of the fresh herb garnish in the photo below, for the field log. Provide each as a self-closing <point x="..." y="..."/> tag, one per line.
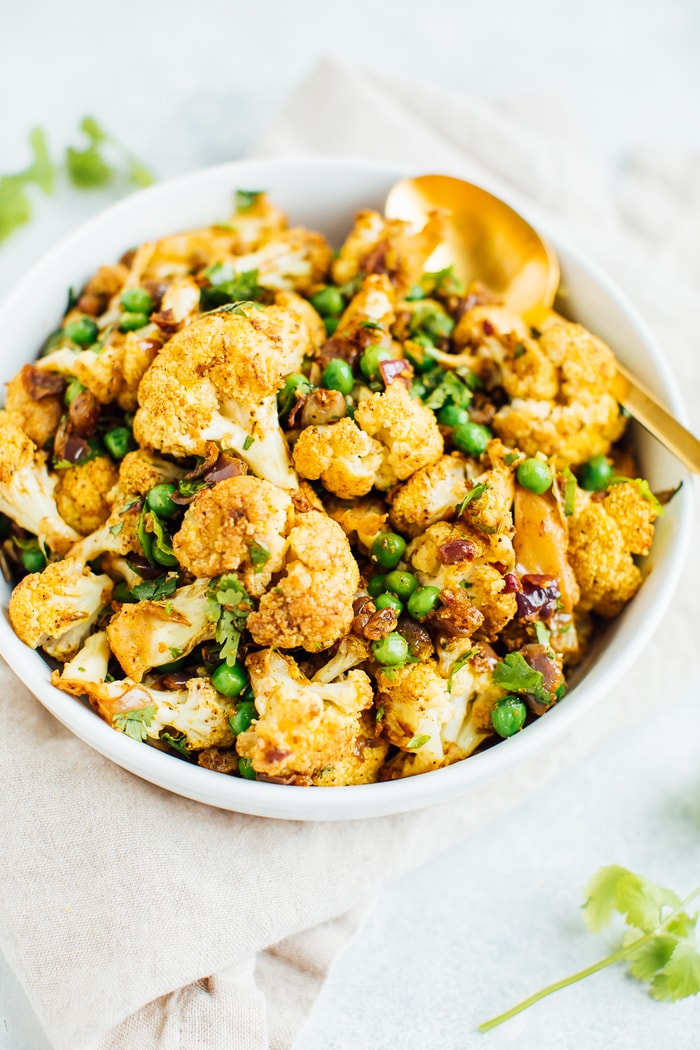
<point x="473" y="494"/>
<point x="658" y="943"/>
<point x="569" y="491"/>
<point x="259" y="555"/>
<point x="515" y="675"/>
<point x="248" y="442"/>
<point x="247" y="199"/>
<point x="135" y="723"/>
<point x="459" y="664"/>
<point x="116" y="528"/>
<point x="15" y="205"/>
<point x="510" y="458"/>
<point x="230" y="607"/>
<point x="450" y="389"/>
<point x="417" y="742"/>
<point x="176" y="740"/>
<point x="227" y="286"/>
<point x="370" y="324"/>
<point x="542" y="632"/>
<point x="155" y="590"/>
<point x="88" y="168"/>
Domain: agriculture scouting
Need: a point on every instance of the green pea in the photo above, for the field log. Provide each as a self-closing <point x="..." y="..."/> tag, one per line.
<point x="401" y="583"/>
<point x="83" y="331"/>
<point x="329" y="301"/>
<point x="131" y="322"/>
<point x="535" y="475"/>
<point x="158" y="499"/>
<point x="287" y="396"/>
<point x="337" y="375"/>
<point x="71" y="392"/>
<point x="376" y="586"/>
<point x="388" y="550"/>
<point x="230" y="680"/>
<point x="118" y="441"/>
<point x="369" y="362"/>
<point x="33" y="559"/>
<point x="508" y="715"/>
<point x="423" y="601"/>
<point x="390" y="650"/>
<point x="245" y="714"/>
<point x="389" y="601"/>
<point x="595" y="474"/>
<point x="416" y="292"/>
<point x="453" y="416"/>
<point x="330" y="324"/>
<point x="418" y="390"/>
<point x="245" y="768"/>
<point x="136" y="301"/>
<point x="471" y="438"/>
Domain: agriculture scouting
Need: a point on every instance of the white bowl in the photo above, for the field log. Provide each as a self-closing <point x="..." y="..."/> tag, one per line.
<point x="324" y="194"/>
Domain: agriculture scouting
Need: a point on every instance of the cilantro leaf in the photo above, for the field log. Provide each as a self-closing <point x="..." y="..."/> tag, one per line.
<point x="135" y="723"/>
<point x="230" y="607"/>
<point x="450" y="389"/>
<point x="680" y="977"/>
<point x="154" y="590"/>
<point x="42" y="170"/>
<point x="652" y="957"/>
<point x="87" y="168"/>
<point x="176" y="740"/>
<point x="475" y="493"/>
<point x="601" y="897"/>
<point x="259" y="555"/>
<point x="515" y="675"/>
<point x="417" y="742"/>
<point x="542" y="632"/>
<point x="459" y="664"/>
<point x="15" y="206"/>
<point x="640" y="901"/>
<point x="246" y="199"/>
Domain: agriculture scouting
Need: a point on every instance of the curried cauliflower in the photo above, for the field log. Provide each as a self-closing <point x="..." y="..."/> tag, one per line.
<point x="295" y="260"/>
<point x="603" y="536"/>
<point x="100" y="370"/>
<point x="216" y="380"/>
<point x="140" y="471"/>
<point x="239" y="524"/>
<point x="84" y="493"/>
<point x="56" y="608"/>
<point x="432" y="494"/>
<point x="407" y="430"/>
<point x="312" y="730"/>
<point x="379" y="245"/>
<point x="344" y="458"/>
<point x="152" y="633"/>
<point x="582" y="418"/>
<point x="196" y="715"/>
<point x="416" y="705"/>
<point x="311" y="605"/>
<point x="27" y="488"/>
<point x="34" y="408"/>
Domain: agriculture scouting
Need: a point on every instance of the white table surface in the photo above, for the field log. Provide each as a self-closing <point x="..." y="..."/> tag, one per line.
<point x="497" y="916"/>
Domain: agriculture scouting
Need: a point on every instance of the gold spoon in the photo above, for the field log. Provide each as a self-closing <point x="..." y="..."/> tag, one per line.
<point x="487" y="240"/>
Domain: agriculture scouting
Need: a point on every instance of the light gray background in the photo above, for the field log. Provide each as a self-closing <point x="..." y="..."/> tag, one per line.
<point x="189" y="85"/>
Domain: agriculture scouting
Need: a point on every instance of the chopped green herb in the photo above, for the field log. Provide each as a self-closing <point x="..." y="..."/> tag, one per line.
<point x="247" y="199"/>
<point x="417" y="742"/>
<point x="370" y="324"/>
<point x="474" y="494"/>
<point x="117" y="528"/>
<point x="510" y="458"/>
<point x="248" y="442"/>
<point x="515" y="675"/>
<point x="176" y="740"/>
<point x="459" y="664"/>
<point x="451" y="389"/>
<point x="175" y="652"/>
<point x="227" y="287"/>
<point x="129" y="504"/>
<point x="259" y="555"/>
<point x="380" y="711"/>
<point x="135" y="723"/>
<point x="569" y="491"/>
<point x="155" y="590"/>
<point x="658" y="943"/>
<point x="542" y="632"/>
<point x="15" y="205"/>
<point x="190" y="487"/>
<point x="230" y="607"/>
<point x="519" y="351"/>
<point x="442" y="282"/>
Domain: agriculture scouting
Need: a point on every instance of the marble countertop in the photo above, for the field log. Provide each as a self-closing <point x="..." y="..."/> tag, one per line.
<point x="437" y="954"/>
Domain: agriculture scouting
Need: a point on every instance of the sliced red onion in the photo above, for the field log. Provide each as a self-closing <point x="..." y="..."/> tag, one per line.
<point x="396" y="369"/>
<point x="512" y="583"/>
<point x="454" y="551"/>
<point x="539" y="597"/>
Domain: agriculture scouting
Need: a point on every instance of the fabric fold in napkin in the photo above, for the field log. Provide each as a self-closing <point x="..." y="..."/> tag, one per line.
<point x="135" y="919"/>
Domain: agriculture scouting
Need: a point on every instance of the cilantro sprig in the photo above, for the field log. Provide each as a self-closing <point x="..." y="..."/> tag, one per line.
<point x="135" y="723"/>
<point x="515" y="675"/>
<point x="230" y="605"/>
<point x="658" y="941"/>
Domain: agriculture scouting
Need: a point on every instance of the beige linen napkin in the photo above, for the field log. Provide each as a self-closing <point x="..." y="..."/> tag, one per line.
<point x="136" y="919"/>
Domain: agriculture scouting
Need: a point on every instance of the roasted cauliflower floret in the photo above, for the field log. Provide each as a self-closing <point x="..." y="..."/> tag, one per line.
<point x="407" y="430"/>
<point x="309" y="729"/>
<point x="151" y="633"/>
<point x="139" y="351"/>
<point x="311" y="605"/>
<point x="603" y="536"/>
<point x="84" y="493"/>
<point x="306" y="316"/>
<point x="379" y="245"/>
<point x="56" y="608"/>
<point x="361" y="521"/>
<point x="140" y="471"/>
<point x="101" y="370"/>
<point x="296" y="260"/>
<point x="583" y="419"/>
<point x="375" y="302"/>
<point x="196" y="714"/>
<point x="32" y="404"/>
<point x="27" y="489"/>
<point x="240" y="524"/>
<point x="502" y="352"/>
<point x="432" y="494"/>
<point x="344" y="458"/>
<point x="216" y="380"/>
<point x="416" y="704"/>
<point x="118" y="535"/>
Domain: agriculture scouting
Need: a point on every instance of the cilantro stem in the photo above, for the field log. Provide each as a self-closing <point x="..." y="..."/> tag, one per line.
<point x="618" y="956"/>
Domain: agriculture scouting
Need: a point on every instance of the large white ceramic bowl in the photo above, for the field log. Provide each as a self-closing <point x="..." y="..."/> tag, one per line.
<point x="324" y="194"/>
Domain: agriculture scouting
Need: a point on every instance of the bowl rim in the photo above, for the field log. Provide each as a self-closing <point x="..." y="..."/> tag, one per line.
<point x="359" y="801"/>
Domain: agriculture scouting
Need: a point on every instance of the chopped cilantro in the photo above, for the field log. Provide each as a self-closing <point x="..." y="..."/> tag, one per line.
<point x="247" y="199"/>
<point x="116" y="528"/>
<point x="259" y="555"/>
<point x="248" y="442"/>
<point x="451" y="389"/>
<point x="135" y="723"/>
<point x="542" y="632"/>
<point x="176" y="740"/>
<point x="380" y="713"/>
<point x="510" y="458"/>
<point x="370" y="324"/>
<point x="417" y="742"/>
<point x="569" y="491"/>
<point x="175" y="652"/>
<point x="515" y="675"/>
<point x="189" y="487"/>
<point x="230" y="607"/>
<point x="459" y="664"/>
<point x="154" y="590"/>
<point x="473" y="494"/>
<point x="88" y="168"/>
<point x="519" y="351"/>
<point x="227" y="287"/>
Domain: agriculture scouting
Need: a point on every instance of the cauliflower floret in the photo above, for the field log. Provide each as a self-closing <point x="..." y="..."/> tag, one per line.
<point x="56" y="608"/>
<point x="180" y="302"/>
<point x="311" y="606"/>
<point x="296" y="260"/>
<point x="36" y="412"/>
<point x="84" y="493"/>
<point x="376" y="244"/>
<point x="341" y="455"/>
<point x="140" y="471"/>
<point x="583" y="419"/>
<point x="431" y="495"/>
<point x="416" y="705"/>
<point x="118" y="535"/>
<point x="143" y="712"/>
<point x="501" y="352"/>
<point x="27" y="488"/>
<point x="150" y="633"/>
<point x="239" y="524"/>
<point x="603" y="536"/>
<point x="361" y="521"/>
<point x="309" y="729"/>
<point x="216" y="380"/>
<point x="138" y="354"/>
<point x="306" y="316"/>
<point x="101" y="371"/>
<point x="407" y="430"/>
<point x="375" y="302"/>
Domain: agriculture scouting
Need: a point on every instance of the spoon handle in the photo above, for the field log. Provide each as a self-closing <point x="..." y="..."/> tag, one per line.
<point x="643" y="406"/>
